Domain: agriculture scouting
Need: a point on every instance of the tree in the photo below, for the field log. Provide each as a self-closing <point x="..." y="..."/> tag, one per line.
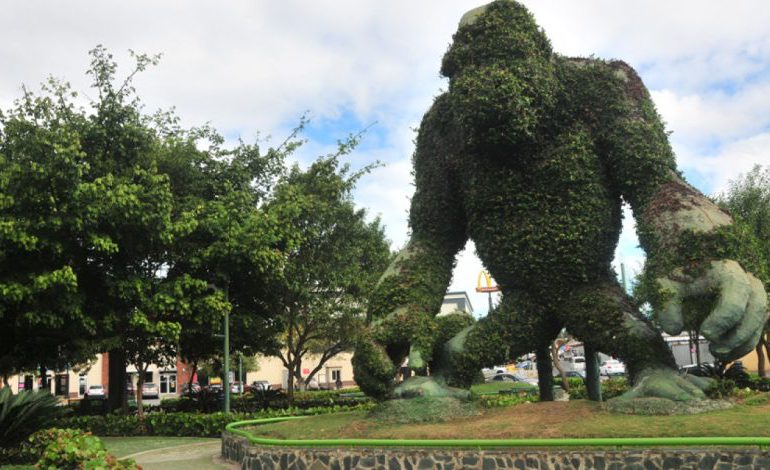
<point x="320" y="296"/>
<point x="748" y="200"/>
<point x="42" y="172"/>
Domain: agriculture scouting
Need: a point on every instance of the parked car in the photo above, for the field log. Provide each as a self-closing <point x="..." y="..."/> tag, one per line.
<point x="190" y="389"/>
<point x="612" y="367"/>
<point x="96" y="392"/>
<point x="150" y="390"/>
<point x="130" y="390"/>
<point x="259" y="385"/>
<point x="236" y="387"/>
<point x="705" y="369"/>
<point x="578" y="363"/>
<point x="512" y="378"/>
<point x="526" y="365"/>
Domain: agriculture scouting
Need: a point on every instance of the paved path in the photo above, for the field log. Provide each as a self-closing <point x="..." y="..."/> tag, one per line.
<point x="198" y="456"/>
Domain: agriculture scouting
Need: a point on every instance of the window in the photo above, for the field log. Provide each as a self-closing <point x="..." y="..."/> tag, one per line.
<point x="82" y="384"/>
<point x="167" y="383"/>
<point x="336" y="375"/>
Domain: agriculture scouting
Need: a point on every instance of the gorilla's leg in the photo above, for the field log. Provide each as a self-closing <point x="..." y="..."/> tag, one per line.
<point x="603" y="316"/>
<point x="507" y="332"/>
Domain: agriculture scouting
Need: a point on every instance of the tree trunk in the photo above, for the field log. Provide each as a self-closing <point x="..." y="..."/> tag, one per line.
<point x="139" y="385"/>
<point x="5" y="381"/>
<point x="697" y="346"/>
<point x="593" y="374"/>
<point x="557" y="363"/>
<point x="761" y="357"/>
<point x="116" y="395"/>
<point x="192" y="376"/>
<point x="544" y="373"/>
<point x="44" y="379"/>
<point x="767" y="347"/>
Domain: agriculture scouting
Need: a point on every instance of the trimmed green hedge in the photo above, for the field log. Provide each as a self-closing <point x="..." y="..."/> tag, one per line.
<point x="182" y="424"/>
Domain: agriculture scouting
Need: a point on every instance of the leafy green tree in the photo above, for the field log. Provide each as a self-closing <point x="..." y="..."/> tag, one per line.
<point x="748" y="200"/>
<point x="42" y="173"/>
<point x="320" y="295"/>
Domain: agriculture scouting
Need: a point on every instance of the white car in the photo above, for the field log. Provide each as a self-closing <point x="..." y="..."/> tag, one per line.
<point x="96" y="391"/>
<point x="612" y="367"/>
<point x="578" y="363"/>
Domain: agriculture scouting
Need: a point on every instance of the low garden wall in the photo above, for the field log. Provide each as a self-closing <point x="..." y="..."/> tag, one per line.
<point x="253" y="453"/>
<point x="258" y="457"/>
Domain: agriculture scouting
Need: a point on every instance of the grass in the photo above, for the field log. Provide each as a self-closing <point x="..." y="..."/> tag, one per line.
<point x="578" y="418"/>
<point x="123" y="446"/>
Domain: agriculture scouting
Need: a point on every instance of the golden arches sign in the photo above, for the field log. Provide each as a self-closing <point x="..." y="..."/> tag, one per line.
<point x="487" y="286"/>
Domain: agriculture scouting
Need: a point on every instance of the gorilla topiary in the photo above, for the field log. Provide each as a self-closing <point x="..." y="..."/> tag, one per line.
<point x="530" y="155"/>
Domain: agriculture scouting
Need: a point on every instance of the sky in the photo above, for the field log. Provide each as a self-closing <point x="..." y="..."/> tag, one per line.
<point x="253" y="68"/>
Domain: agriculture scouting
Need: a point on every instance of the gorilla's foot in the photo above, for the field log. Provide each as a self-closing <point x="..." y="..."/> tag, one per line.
<point x="668" y="384"/>
<point x="663" y="392"/>
<point x="428" y="387"/>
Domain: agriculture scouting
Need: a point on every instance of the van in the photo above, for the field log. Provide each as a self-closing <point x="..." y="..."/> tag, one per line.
<point x="578" y="363"/>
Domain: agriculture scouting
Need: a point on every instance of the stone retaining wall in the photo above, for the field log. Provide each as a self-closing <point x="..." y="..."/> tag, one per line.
<point x="254" y="457"/>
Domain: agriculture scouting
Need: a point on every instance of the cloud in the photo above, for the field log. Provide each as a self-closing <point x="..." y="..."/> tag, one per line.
<point x="251" y="67"/>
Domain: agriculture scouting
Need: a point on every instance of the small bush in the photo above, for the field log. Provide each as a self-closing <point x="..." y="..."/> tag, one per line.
<point x="25" y="413"/>
<point x="720" y="389"/>
<point x="73" y="449"/>
<point x="183" y="424"/>
<point x="498" y="401"/>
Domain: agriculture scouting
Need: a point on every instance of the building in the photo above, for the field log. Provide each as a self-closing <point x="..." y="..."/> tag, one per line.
<point x="73" y="384"/>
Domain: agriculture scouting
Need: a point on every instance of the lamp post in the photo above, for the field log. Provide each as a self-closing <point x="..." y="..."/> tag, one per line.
<point x="226" y="380"/>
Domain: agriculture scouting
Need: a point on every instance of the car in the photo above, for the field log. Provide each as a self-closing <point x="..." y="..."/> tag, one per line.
<point x="526" y="365"/>
<point x="150" y="390"/>
<point x="512" y="378"/>
<point x="130" y="390"/>
<point x="190" y="389"/>
<point x="236" y="387"/>
<point x="705" y="369"/>
<point x="96" y="392"/>
<point x="578" y="363"/>
<point x="612" y="367"/>
<point x="259" y="385"/>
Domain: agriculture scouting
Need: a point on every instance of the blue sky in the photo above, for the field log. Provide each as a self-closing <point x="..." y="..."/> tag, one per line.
<point x="254" y="67"/>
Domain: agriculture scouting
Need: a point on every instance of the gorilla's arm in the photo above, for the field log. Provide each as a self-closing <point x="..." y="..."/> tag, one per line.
<point x="692" y="277"/>
<point x="410" y="293"/>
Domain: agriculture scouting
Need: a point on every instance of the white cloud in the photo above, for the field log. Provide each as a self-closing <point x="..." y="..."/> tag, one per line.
<point x="251" y="66"/>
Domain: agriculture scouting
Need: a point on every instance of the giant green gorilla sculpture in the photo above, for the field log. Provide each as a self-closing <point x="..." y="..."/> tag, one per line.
<point x="530" y="155"/>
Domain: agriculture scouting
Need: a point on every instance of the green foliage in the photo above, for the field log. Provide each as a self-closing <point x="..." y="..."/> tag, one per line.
<point x="185" y="424"/>
<point x="720" y="389"/>
<point x="321" y="293"/>
<point x="74" y="449"/>
<point x="24" y="413"/>
<point x="422" y="410"/>
<point x="504" y="400"/>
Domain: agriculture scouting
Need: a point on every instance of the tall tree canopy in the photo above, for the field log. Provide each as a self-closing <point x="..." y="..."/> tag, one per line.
<point x="320" y="298"/>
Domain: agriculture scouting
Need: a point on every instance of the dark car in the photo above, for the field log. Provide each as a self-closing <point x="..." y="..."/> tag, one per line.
<point x="190" y="389"/>
<point x="512" y="378"/>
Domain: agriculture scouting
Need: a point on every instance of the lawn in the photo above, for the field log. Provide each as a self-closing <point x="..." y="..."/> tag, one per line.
<point x="578" y="418"/>
<point x="123" y="446"/>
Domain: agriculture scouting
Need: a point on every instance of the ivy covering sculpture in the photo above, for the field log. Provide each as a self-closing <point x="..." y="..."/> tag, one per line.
<point x="530" y="154"/>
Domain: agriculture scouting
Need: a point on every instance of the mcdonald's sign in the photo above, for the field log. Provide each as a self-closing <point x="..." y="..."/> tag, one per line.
<point x="487" y="286"/>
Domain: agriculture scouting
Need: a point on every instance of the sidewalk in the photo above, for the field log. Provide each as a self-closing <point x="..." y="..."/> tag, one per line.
<point x="185" y="457"/>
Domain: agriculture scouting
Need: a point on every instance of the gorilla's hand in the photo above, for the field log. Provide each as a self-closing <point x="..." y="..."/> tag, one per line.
<point x="737" y="315"/>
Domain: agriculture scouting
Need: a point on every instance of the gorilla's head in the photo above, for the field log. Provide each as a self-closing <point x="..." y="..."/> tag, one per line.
<point x="501" y="74"/>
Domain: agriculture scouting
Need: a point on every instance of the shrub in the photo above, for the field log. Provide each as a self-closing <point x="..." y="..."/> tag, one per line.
<point x="612" y="388"/>
<point x="720" y="388"/>
<point x="73" y="449"/>
<point x="183" y="424"/>
<point x="25" y="413"/>
<point x="497" y="401"/>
